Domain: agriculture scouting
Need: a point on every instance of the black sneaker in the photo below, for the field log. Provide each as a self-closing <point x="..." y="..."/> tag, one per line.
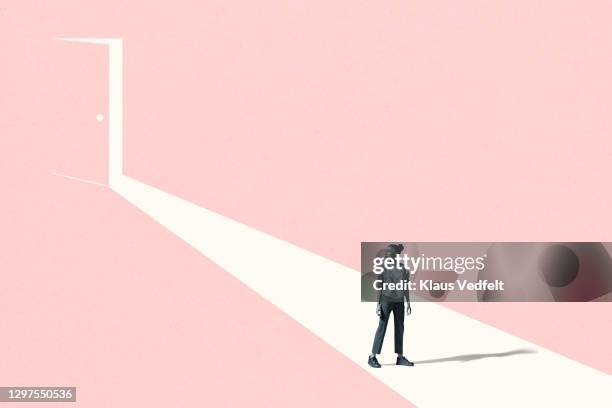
<point x="401" y="360"/>
<point x="373" y="362"/>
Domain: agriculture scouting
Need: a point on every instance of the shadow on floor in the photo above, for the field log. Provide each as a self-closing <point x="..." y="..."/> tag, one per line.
<point x="464" y="358"/>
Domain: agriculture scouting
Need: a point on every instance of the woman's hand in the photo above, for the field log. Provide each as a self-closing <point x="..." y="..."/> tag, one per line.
<point x="379" y="311"/>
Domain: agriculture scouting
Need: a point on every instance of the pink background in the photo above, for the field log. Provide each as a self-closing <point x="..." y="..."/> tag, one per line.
<point x="324" y="123"/>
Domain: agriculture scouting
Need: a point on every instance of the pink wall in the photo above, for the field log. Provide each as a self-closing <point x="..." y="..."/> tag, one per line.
<point x="486" y="120"/>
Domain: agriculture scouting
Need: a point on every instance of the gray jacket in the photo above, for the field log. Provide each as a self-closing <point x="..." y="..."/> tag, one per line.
<point x="394" y="275"/>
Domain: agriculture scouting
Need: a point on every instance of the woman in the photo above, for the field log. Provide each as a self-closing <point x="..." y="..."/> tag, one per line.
<point x="392" y="301"/>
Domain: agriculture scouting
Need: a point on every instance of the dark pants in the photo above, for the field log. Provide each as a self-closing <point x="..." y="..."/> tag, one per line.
<point x="398" y="321"/>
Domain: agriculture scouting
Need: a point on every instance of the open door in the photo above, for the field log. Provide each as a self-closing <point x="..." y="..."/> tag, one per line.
<point x="93" y="141"/>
